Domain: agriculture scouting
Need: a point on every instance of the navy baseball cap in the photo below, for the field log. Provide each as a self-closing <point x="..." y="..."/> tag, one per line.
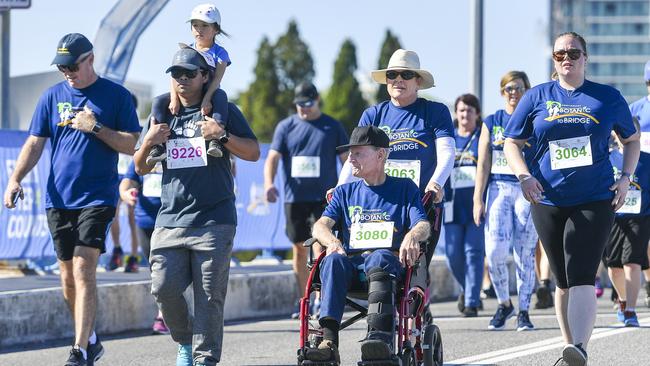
<point x="70" y="47"/>
<point x="305" y="92"/>
<point x="367" y="136"/>
<point x="188" y="58"/>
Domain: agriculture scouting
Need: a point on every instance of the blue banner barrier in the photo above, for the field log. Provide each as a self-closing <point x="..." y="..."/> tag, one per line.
<point x="24" y="232"/>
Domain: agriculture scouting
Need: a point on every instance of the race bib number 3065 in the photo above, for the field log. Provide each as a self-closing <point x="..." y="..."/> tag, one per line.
<point x="186" y="153"/>
<point x="570" y="153"/>
<point x="371" y="235"/>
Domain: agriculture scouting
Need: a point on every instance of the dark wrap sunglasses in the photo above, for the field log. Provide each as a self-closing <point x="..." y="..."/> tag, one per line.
<point x="405" y="74"/>
<point x="561" y="55"/>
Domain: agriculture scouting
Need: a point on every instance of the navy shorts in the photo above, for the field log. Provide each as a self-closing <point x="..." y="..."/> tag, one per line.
<point x="300" y="217"/>
<point x="79" y="227"/>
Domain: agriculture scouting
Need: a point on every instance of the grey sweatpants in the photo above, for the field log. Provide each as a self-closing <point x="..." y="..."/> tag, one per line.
<point x="201" y="257"/>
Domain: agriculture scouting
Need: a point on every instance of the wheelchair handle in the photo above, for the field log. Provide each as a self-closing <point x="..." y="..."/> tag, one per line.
<point x="309" y="242"/>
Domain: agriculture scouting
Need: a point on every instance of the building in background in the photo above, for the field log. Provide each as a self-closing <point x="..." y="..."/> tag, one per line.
<point x="618" y="36"/>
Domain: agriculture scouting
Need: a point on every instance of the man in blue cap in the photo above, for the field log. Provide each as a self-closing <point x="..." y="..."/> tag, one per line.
<point x="195" y="227"/>
<point x="88" y="120"/>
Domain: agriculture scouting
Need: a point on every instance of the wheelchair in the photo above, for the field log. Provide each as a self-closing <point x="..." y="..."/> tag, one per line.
<point x="413" y="320"/>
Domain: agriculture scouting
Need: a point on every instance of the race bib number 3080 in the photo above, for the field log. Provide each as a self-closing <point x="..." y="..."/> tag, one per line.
<point x="371" y="235"/>
<point x="186" y="153"/>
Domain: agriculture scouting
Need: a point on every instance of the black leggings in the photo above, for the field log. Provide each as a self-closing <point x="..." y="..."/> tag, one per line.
<point x="574" y="239"/>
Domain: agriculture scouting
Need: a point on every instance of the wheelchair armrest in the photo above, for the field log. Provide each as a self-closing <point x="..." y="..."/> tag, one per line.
<point x="309" y="242"/>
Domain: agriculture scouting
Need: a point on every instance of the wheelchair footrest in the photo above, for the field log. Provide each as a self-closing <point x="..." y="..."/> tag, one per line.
<point x="391" y="362"/>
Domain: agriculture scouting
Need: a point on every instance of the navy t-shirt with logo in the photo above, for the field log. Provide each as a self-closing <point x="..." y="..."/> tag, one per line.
<point x="397" y="200"/>
<point x="309" y="156"/>
<point x="412" y="131"/>
<point x="639" y="181"/>
<point x="147" y="206"/>
<point x="554" y="115"/>
<point x="463" y="198"/>
<point x="83" y="170"/>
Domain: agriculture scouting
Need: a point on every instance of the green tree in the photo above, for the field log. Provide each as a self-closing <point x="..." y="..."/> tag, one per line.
<point x="259" y="103"/>
<point x="390" y="45"/>
<point x="293" y="63"/>
<point x="344" y="101"/>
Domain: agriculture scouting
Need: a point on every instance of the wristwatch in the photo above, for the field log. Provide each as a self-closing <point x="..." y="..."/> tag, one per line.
<point x="224" y="138"/>
<point x="97" y="127"/>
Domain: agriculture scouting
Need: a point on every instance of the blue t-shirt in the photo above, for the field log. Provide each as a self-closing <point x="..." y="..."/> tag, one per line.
<point x="148" y="204"/>
<point x="496" y="124"/>
<point x="199" y="196"/>
<point x="83" y="170"/>
<point x="397" y="200"/>
<point x="639" y="181"/>
<point x="548" y="113"/>
<point x="641" y="111"/>
<point x="463" y="198"/>
<point x="308" y="142"/>
<point x="412" y="131"/>
<point x="218" y="53"/>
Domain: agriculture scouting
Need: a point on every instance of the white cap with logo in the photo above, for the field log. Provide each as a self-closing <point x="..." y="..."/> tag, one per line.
<point x="207" y="13"/>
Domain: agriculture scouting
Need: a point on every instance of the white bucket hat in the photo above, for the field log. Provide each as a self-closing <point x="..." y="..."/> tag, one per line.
<point x="404" y="60"/>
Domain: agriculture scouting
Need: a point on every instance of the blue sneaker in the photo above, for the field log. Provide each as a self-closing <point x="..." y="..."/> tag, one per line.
<point x="503" y="313"/>
<point x="184" y="355"/>
<point x="523" y="322"/>
<point x="620" y="315"/>
<point x="630" y="319"/>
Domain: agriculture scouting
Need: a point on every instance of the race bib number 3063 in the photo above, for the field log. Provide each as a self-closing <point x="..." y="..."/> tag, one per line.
<point x="186" y="153"/>
<point x="404" y="169"/>
<point x="570" y="153"/>
<point x="371" y="235"/>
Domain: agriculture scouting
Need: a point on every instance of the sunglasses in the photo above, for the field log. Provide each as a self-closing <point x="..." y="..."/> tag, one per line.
<point x="573" y="54"/>
<point x="513" y="89"/>
<point x="74" y="67"/>
<point x="180" y="72"/>
<point x="406" y="74"/>
<point x="306" y="104"/>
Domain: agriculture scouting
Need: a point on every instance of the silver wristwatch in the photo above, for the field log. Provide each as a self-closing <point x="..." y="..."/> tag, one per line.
<point x="97" y="127"/>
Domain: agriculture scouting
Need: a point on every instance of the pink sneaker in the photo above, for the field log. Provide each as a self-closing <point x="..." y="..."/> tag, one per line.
<point x="599" y="287"/>
<point x="159" y="326"/>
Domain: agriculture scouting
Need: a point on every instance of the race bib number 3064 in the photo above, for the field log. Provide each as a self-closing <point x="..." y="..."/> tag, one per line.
<point x="371" y="235"/>
<point x="186" y="153"/>
<point x="570" y="153"/>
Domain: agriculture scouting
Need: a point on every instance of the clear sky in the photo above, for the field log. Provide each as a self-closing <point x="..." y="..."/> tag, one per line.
<point x="515" y="37"/>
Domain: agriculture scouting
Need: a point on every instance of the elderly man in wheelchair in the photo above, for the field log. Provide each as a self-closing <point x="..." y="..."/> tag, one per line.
<point x="381" y="223"/>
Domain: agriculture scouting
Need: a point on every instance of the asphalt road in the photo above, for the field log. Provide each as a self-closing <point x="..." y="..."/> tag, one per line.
<point x="466" y="342"/>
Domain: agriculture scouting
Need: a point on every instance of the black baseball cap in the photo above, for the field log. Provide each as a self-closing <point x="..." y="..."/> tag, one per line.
<point x="188" y="58"/>
<point x="70" y="47"/>
<point x="305" y="92"/>
<point x="367" y="136"/>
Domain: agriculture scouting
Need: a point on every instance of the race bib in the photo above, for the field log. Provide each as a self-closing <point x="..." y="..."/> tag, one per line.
<point x="123" y="162"/>
<point x="152" y="185"/>
<point x="371" y="235"/>
<point x="570" y="153"/>
<point x="632" y="203"/>
<point x="404" y="169"/>
<point x="499" y="163"/>
<point x="645" y="142"/>
<point x="449" y="212"/>
<point x="305" y="167"/>
<point x="186" y="153"/>
<point x="463" y="177"/>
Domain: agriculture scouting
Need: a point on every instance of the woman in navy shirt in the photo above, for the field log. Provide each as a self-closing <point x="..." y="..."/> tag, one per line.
<point x="569" y="181"/>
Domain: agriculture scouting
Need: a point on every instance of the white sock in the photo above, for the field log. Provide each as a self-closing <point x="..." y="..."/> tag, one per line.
<point x="93" y="338"/>
<point x="629" y="309"/>
<point x="83" y="351"/>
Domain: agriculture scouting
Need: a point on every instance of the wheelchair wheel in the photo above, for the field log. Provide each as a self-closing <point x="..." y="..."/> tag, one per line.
<point x="408" y="357"/>
<point x="432" y="346"/>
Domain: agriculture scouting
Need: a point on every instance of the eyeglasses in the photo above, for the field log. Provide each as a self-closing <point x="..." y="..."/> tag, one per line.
<point x="573" y="53"/>
<point x="179" y="72"/>
<point x="74" y="67"/>
<point x="513" y="89"/>
<point x="306" y="104"/>
<point x="406" y="74"/>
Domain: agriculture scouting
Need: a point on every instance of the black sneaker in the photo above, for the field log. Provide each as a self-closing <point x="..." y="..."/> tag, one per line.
<point x="523" y="322"/>
<point x="488" y="293"/>
<point x="214" y="149"/>
<point x="95" y="352"/>
<point x="460" y="303"/>
<point x="503" y="313"/>
<point x="377" y="346"/>
<point x="544" y="298"/>
<point x="574" y="355"/>
<point x="76" y="358"/>
<point x="470" y="312"/>
<point x="116" y="259"/>
<point x="156" y="155"/>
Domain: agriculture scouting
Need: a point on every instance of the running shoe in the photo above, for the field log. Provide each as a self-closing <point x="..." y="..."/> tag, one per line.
<point x="95" y="352"/>
<point x="523" y="322"/>
<point x="131" y="264"/>
<point x="599" y="288"/>
<point x="156" y="155"/>
<point x="488" y="293"/>
<point x="560" y="362"/>
<point x="574" y="355"/>
<point x="76" y="358"/>
<point x="630" y="319"/>
<point x="214" y="149"/>
<point x="470" y="312"/>
<point x="159" y="326"/>
<point x="503" y="313"/>
<point x="544" y="298"/>
<point x="116" y="259"/>
<point x="184" y="355"/>
<point x="460" y="303"/>
<point x="647" y="294"/>
<point x="620" y="311"/>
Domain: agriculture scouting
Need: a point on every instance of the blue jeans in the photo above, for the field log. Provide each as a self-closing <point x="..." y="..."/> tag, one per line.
<point x="465" y="250"/>
<point x="339" y="272"/>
